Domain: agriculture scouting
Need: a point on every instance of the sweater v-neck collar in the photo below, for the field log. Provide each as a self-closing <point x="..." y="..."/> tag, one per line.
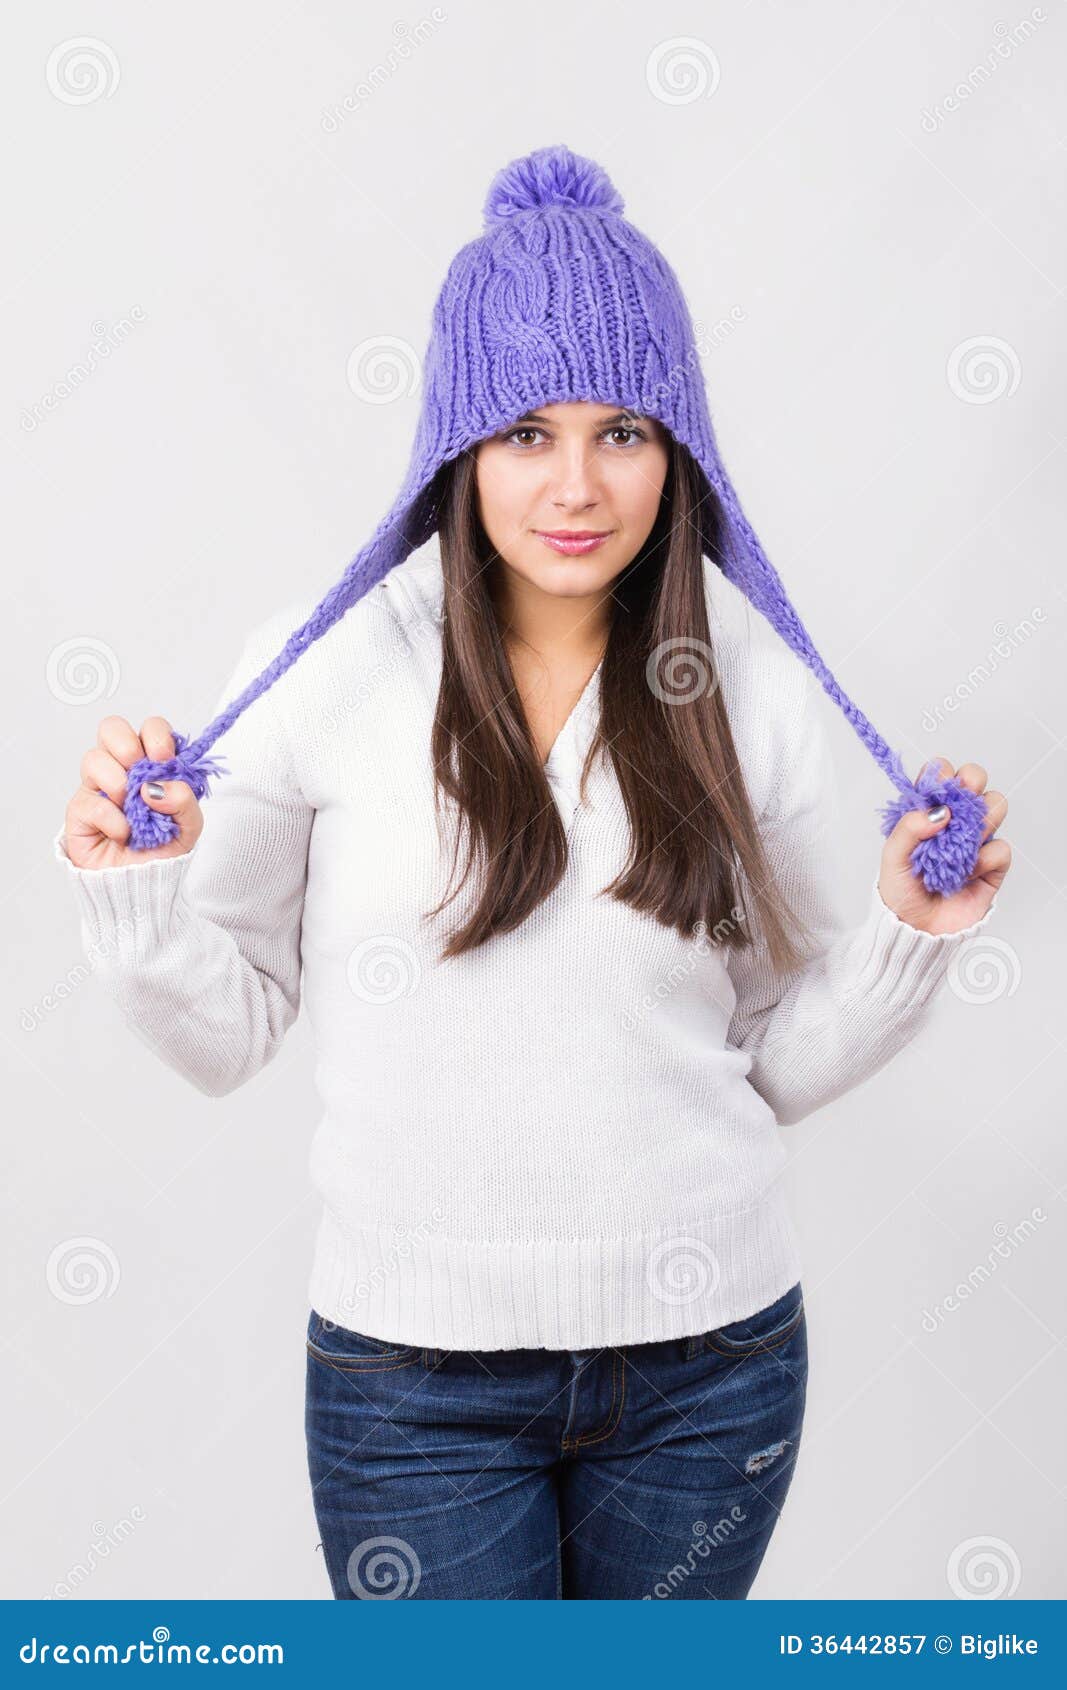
<point x="563" y="765"/>
<point x="566" y="731"/>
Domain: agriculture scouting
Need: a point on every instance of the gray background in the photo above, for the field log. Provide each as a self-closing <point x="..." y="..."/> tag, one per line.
<point x="886" y="378"/>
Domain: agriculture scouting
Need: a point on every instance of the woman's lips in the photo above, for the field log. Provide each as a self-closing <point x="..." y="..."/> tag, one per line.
<point x="572" y="544"/>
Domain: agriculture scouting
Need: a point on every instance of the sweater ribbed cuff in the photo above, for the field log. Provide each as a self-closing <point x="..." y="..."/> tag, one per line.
<point x="131" y="898"/>
<point x="903" y="964"/>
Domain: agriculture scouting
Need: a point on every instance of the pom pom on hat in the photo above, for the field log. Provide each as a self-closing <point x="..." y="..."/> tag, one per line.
<point x="946" y="860"/>
<point x="549" y="176"/>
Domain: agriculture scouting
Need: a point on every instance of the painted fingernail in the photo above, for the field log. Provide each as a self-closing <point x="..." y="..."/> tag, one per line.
<point x="154" y="788"/>
<point x="938" y="814"/>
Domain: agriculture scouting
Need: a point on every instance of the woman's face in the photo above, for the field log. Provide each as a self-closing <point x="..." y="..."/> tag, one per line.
<point x="579" y="469"/>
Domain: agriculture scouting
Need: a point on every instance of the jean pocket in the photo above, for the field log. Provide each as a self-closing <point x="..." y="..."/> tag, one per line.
<point x="767" y="1329"/>
<point x="343" y="1347"/>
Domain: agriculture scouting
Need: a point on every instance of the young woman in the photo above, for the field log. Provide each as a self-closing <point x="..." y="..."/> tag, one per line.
<point x="543" y="848"/>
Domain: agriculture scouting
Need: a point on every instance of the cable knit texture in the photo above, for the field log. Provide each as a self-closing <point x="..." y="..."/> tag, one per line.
<point x="568" y="1137"/>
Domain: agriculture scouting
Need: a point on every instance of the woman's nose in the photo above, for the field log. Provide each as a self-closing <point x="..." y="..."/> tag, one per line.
<point x="576" y="486"/>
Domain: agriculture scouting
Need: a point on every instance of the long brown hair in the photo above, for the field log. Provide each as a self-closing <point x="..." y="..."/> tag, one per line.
<point x="696" y="854"/>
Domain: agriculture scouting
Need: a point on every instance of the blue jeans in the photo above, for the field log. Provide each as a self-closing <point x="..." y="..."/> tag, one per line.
<point x="643" y="1470"/>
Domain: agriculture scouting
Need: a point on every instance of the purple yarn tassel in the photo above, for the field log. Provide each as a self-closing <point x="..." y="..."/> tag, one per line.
<point x="946" y="860"/>
<point x="148" y="827"/>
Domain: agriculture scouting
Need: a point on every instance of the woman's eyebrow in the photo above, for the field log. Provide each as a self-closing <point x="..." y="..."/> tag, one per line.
<point x="622" y="416"/>
<point x="603" y="422"/>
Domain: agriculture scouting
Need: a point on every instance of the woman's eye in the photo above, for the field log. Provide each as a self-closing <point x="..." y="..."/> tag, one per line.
<point x="636" y="434"/>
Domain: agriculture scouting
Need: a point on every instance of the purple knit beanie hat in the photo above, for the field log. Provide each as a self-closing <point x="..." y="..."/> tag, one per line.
<point x="560" y="298"/>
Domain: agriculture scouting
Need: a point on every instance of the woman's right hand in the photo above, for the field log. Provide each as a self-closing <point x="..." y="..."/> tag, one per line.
<point x="96" y="828"/>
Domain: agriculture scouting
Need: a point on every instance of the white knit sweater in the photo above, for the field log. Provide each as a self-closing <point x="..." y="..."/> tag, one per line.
<point x="567" y="1137"/>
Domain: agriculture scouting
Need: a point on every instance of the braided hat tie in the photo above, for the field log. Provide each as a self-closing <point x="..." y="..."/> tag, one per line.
<point x="561" y="298"/>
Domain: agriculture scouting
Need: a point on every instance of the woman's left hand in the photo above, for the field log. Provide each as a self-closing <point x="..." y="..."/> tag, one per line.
<point x="905" y="893"/>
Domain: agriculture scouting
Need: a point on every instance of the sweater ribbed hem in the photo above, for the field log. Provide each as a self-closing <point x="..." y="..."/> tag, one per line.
<point x="553" y="1294"/>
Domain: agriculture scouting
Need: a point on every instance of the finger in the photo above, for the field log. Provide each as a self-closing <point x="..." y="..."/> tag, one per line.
<point x="997" y="809"/>
<point x="101" y="771"/>
<point x="89" y="813"/>
<point x="972" y="775"/>
<point x="179" y="801"/>
<point x="913" y="826"/>
<point x="939" y="764"/>
<point x="115" y="734"/>
<point x="993" y="862"/>
<point x="157" y="737"/>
